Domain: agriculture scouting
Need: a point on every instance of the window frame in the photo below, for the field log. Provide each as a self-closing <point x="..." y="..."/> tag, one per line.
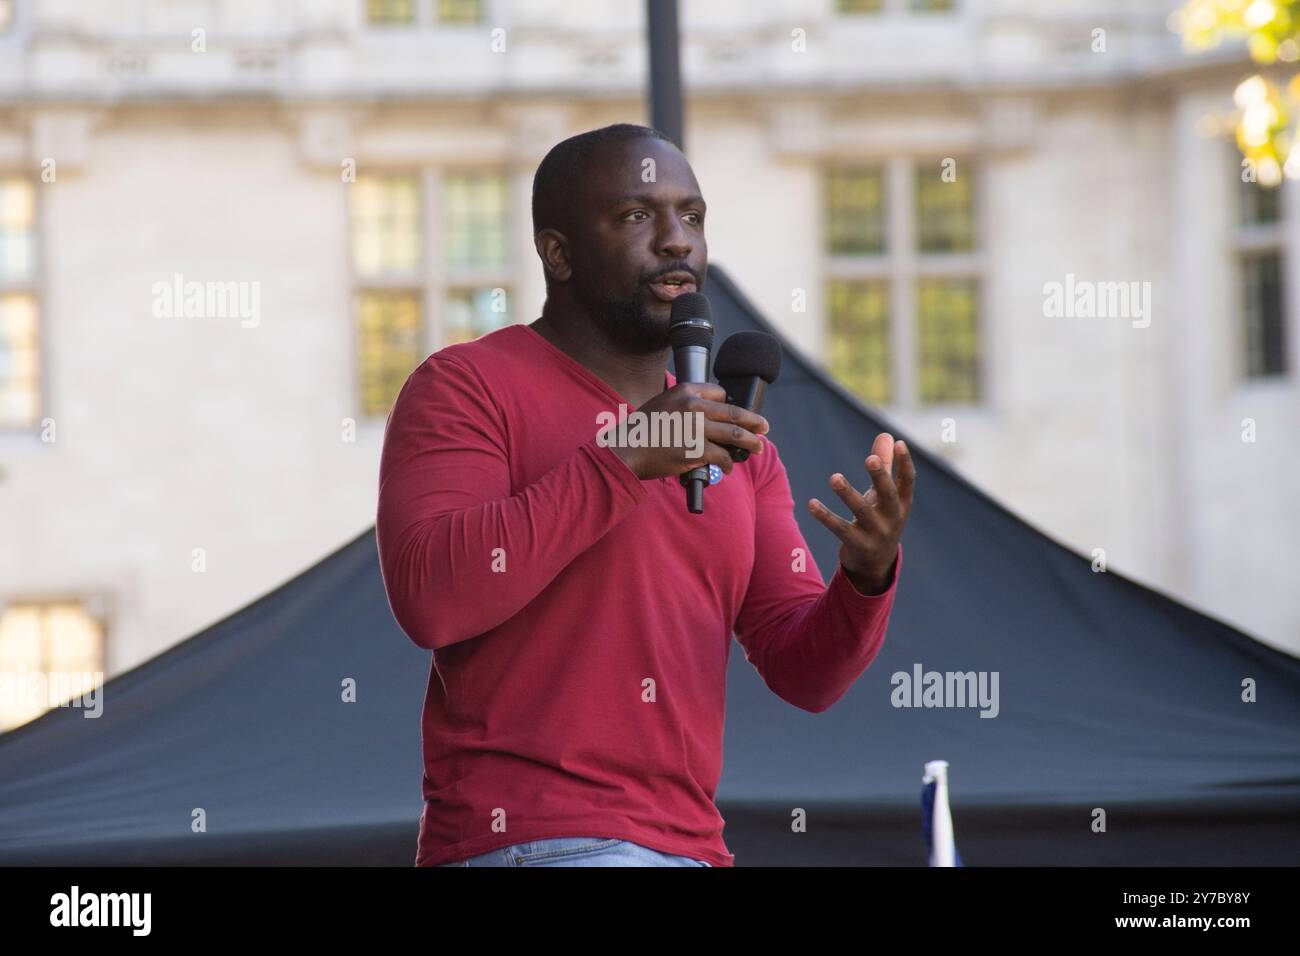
<point x="96" y="606"/>
<point x="34" y="286"/>
<point x="1249" y="240"/>
<point x="435" y="279"/>
<point x="461" y="278"/>
<point x="902" y="265"/>
<point x="415" y="281"/>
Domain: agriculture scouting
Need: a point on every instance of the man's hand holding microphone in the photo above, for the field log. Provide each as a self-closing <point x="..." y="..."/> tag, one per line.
<point x="724" y="424"/>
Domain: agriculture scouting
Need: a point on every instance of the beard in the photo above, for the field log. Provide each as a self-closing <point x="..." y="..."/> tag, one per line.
<point x="633" y="325"/>
<point x="638" y="325"/>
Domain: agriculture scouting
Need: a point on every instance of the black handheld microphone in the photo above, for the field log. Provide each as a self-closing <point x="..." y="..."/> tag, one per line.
<point x="747" y="363"/>
<point x="691" y="331"/>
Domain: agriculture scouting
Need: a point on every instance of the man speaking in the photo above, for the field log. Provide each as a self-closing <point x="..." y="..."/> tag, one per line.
<point x="580" y="617"/>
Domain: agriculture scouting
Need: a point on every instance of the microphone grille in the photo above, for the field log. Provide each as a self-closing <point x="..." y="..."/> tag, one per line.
<point x="691" y="321"/>
<point x="748" y="353"/>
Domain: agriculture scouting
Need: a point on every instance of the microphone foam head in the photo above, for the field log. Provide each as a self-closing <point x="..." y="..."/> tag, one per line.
<point x="748" y="353"/>
<point x="691" y="321"/>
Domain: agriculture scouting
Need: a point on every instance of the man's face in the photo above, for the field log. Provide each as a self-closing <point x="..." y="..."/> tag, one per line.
<point x="636" y="245"/>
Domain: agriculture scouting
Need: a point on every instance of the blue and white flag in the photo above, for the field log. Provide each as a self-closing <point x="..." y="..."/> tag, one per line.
<point x="936" y="818"/>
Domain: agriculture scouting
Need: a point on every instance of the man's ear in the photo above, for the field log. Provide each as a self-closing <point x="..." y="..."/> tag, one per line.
<point x="553" y="248"/>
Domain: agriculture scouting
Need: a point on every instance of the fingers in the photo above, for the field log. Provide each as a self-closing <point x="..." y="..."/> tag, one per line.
<point x="731" y="415"/>
<point x="730" y="434"/>
<point x="906" y="476"/>
<point x="712" y="400"/>
<point x="883" y="483"/>
<point x="858" y="505"/>
<point x="884" y="503"/>
<point x="883" y="448"/>
<point x="713" y="454"/>
<point x="831" y="521"/>
<point x="709" y="390"/>
<point x="883" y="490"/>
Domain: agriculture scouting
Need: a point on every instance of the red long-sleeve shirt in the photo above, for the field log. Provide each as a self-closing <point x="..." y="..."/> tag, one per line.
<point x="580" y="618"/>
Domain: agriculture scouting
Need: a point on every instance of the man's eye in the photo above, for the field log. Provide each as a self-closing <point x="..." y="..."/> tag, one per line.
<point x="696" y="217"/>
<point x="636" y="212"/>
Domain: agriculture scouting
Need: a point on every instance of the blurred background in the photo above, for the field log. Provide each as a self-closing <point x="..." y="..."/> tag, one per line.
<point x="229" y="229"/>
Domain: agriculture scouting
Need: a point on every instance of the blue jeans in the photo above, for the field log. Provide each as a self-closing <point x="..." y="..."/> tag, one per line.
<point x="577" y="851"/>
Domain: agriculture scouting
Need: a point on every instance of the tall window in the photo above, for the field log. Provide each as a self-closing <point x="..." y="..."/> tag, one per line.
<point x="903" y="286"/>
<point x="6" y="15"/>
<point x="51" y="652"/>
<point x="1261" y="256"/>
<point x="431" y="254"/>
<point x="424" y="12"/>
<point x="388" y="260"/>
<point x="476" y="252"/>
<point x="19" y="354"/>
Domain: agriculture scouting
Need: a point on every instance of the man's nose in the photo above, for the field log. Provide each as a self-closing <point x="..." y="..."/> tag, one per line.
<point x="673" y="240"/>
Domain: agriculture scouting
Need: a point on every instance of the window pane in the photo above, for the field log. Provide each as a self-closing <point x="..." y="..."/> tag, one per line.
<point x="469" y="313"/>
<point x="390" y="11"/>
<point x="931" y="6"/>
<point x="460" y="11"/>
<point x="859" y="338"/>
<point x="386" y="224"/>
<point x="475" y="220"/>
<point x="859" y="6"/>
<point x="390" y="346"/>
<point x="20" y="638"/>
<point x="19" y="362"/>
<point x="62" y="643"/>
<point x="73" y="641"/>
<point x="6" y="15"/>
<point x="17" y="230"/>
<point x="1259" y="204"/>
<point x="855" y="211"/>
<point x="949" y="346"/>
<point x="945" y="211"/>
<point x="1265" y="327"/>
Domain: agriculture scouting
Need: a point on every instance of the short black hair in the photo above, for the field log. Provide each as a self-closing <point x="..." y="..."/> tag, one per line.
<point x="558" y="170"/>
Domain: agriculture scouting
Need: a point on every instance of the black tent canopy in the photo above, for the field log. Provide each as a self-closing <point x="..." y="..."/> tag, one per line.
<point x="1110" y="697"/>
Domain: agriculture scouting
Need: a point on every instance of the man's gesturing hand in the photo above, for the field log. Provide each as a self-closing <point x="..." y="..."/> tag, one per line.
<point x="870" y="541"/>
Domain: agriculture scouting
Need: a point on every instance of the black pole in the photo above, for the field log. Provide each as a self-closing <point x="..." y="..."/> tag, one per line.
<point x="665" y="70"/>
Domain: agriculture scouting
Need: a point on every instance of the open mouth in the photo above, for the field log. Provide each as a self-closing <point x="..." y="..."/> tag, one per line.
<point x="670" y="287"/>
